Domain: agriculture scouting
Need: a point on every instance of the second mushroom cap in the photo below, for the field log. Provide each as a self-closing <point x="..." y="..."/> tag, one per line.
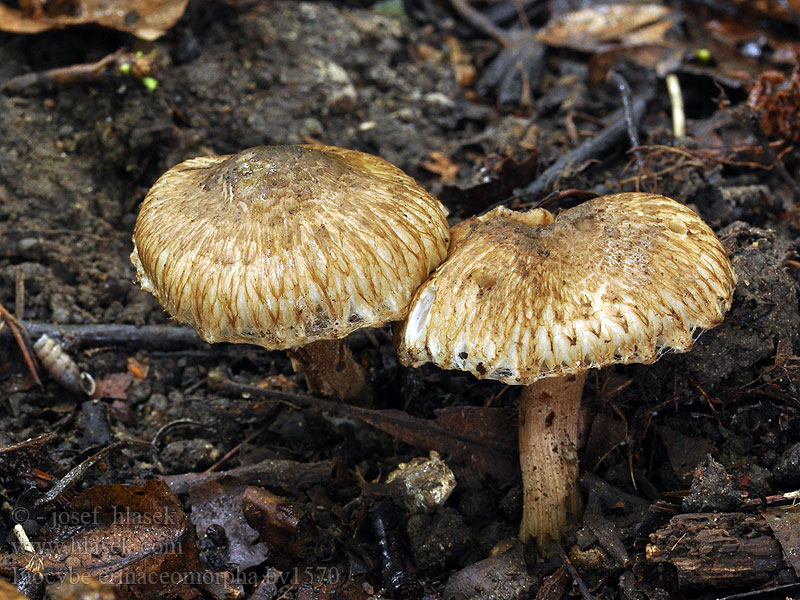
<point x="527" y="295"/>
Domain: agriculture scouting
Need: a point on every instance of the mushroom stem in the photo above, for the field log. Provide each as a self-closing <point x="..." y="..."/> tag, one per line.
<point x="548" y="430"/>
<point x="329" y="368"/>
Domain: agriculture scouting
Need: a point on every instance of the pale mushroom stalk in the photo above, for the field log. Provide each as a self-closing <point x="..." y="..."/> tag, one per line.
<point x="549" y="414"/>
<point x="289" y="248"/>
<point x="537" y="300"/>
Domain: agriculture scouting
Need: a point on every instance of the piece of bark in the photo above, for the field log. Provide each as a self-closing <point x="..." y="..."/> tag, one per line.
<point x="717" y="550"/>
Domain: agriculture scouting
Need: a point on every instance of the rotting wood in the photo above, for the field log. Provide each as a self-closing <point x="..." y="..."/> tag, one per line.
<point x="717" y="550"/>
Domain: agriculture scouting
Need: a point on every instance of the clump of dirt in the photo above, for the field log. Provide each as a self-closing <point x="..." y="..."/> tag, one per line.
<point x="764" y="311"/>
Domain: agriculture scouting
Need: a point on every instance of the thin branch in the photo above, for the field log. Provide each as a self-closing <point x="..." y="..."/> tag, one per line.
<point x="480" y="22"/>
<point x="631" y="123"/>
<point x="94" y="335"/>
<point x="573" y="572"/>
<point x="598" y="146"/>
<point x="17" y="331"/>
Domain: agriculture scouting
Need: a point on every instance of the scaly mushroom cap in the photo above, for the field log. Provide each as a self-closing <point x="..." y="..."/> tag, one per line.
<point x="281" y="246"/>
<point x="522" y="296"/>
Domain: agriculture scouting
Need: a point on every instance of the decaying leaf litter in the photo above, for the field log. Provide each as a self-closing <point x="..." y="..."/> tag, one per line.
<point x="689" y="464"/>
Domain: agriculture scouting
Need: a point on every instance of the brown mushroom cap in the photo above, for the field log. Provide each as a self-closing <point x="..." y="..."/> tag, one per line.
<point x="280" y="246"/>
<point x="522" y="296"/>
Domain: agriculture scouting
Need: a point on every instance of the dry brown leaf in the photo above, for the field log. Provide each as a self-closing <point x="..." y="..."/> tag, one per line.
<point x="219" y="502"/>
<point x="441" y="164"/>
<point x="114" y="386"/>
<point x="727" y="38"/>
<point x="27" y="455"/>
<point x="684" y="452"/>
<point x="777" y="99"/>
<point x="597" y="28"/>
<point x="283" y="524"/>
<point x="147" y="19"/>
<point x="770" y="9"/>
<point x="784" y="521"/>
<point x="465" y="435"/>
<point x="505" y="173"/>
<point x="554" y="587"/>
<point x="484" y="438"/>
<point x="605" y="435"/>
<point x="131" y="535"/>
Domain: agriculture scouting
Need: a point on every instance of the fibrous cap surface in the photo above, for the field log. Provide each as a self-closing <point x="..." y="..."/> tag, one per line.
<point x="522" y="296"/>
<point x="280" y="246"/>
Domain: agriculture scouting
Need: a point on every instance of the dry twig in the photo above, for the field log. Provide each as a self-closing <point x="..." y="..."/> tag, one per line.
<point x="595" y="147"/>
<point x="95" y="335"/>
<point x="19" y="333"/>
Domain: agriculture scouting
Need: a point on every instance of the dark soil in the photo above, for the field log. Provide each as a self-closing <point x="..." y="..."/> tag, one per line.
<point x="77" y="159"/>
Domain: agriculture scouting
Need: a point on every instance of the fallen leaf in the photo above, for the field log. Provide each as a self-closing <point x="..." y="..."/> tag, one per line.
<point x="147" y="19"/>
<point x="285" y="475"/>
<point x="741" y="42"/>
<point x="605" y="434"/>
<point x="219" y="502"/>
<point x="596" y="28"/>
<point x="25" y="461"/>
<point x="114" y="386"/>
<point x="684" y="452"/>
<point x="136" y="536"/>
<point x="441" y="165"/>
<point x="481" y="437"/>
<point x="498" y="179"/>
<point x="777" y="99"/>
<point x="554" y="587"/>
<point x="784" y="521"/>
<point x="780" y="10"/>
<point x="503" y="575"/>
<point x="283" y="524"/>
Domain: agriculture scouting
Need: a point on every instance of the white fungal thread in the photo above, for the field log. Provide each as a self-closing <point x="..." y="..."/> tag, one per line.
<point x="61" y="366"/>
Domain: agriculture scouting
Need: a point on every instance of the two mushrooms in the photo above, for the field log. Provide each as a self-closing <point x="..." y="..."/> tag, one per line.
<point x="295" y="247"/>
